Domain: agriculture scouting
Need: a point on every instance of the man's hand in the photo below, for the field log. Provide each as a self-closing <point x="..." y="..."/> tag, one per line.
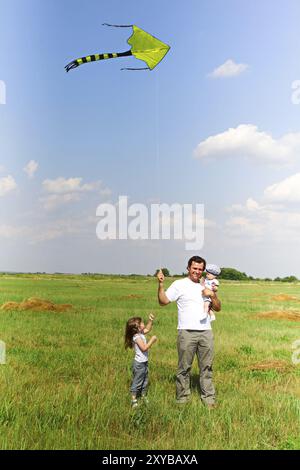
<point x="215" y="302"/>
<point x="160" y="276"/>
<point x="208" y="293"/>
<point x="162" y="298"/>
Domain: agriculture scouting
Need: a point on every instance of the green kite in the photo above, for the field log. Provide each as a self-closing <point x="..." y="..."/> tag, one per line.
<point x="143" y="46"/>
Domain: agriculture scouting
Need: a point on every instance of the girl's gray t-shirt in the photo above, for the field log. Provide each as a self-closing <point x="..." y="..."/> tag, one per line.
<point x="140" y="356"/>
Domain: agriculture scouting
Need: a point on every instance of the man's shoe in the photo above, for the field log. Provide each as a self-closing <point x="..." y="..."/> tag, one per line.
<point x="182" y="401"/>
<point x="211" y="406"/>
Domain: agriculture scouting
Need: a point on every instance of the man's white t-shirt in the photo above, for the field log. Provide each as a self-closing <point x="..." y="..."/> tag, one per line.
<point x="190" y="304"/>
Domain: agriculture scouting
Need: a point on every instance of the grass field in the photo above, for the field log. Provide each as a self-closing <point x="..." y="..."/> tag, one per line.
<point x="65" y="384"/>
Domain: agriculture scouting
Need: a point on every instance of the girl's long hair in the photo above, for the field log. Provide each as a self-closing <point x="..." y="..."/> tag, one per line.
<point x="132" y="328"/>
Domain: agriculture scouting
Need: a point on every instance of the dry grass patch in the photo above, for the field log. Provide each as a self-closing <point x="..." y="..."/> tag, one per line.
<point x="270" y="364"/>
<point x="37" y="305"/>
<point x="292" y="315"/>
<point x="284" y="297"/>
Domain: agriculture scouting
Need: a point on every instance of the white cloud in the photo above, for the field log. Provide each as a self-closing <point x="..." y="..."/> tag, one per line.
<point x="31" y="168"/>
<point x="7" y="184"/>
<point x="11" y="231"/>
<point x="63" y="185"/>
<point x="43" y="232"/>
<point x="286" y="191"/>
<point x="257" y="222"/>
<point x="247" y="141"/>
<point x="229" y="69"/>
<point x="54" y="200"/>
<point x="66" y="190"/>
<point x="268" y="226"/>
<point x="244" y="226"/>
<point x="252" y="205"/>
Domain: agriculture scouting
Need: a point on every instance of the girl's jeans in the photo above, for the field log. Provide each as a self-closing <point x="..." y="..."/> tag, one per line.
<point x="140" y="378"/>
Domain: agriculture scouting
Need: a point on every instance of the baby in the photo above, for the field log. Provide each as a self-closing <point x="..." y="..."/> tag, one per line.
<point x="211" y="282"/>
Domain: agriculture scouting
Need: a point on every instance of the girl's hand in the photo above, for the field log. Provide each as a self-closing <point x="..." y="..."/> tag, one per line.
<point x="151" y="317"/>
<point x="154" y="339"/>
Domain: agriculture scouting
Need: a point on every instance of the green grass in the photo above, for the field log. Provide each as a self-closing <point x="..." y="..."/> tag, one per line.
<point x="67" y="377"/>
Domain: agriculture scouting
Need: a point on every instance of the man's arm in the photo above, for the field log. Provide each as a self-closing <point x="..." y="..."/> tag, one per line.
<point x="162" y="298"/>
<point x="215" y="302"/>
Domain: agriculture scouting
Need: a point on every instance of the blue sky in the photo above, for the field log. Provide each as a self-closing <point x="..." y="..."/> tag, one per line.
<point x="98" y="132"/>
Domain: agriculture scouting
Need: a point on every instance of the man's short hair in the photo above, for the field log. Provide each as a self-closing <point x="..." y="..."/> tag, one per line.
<point x="196" y="259"/>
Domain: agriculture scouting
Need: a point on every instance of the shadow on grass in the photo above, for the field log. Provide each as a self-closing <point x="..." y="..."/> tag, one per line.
<point x="194" y="381"/>
<point x="195" y="385"/>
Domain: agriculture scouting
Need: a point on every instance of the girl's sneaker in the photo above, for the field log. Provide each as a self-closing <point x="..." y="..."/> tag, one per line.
<point x="134" y="403"/>
<point x="145" y="399"/>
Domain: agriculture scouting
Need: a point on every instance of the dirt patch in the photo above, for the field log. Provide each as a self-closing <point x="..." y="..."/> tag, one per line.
<point x="122" y="297"/>
<point x="37" y="305"/>
<point x="131" y="296"/>
<point x="271" y="364"/>
<point x="10" y="306"/>
<point x="284" y="297"/>
<point x="292" y="315"/>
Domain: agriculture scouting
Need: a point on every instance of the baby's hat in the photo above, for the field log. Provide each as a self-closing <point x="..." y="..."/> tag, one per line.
<point x="213" y="269"/>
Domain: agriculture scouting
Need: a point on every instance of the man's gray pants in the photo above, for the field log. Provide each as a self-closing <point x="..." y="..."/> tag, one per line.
<point x="140" y="378"/>
<point x="189" y="343"/>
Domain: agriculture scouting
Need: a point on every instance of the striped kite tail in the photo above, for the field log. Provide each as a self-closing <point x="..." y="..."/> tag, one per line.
<point x="93" y="58"/>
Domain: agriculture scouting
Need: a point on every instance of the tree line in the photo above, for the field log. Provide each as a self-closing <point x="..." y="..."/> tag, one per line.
<point x="233" y="274"/>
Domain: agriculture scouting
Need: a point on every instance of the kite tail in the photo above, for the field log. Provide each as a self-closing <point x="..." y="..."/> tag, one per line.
<point x="118" y="25"/>
<point x="92" y="58"/>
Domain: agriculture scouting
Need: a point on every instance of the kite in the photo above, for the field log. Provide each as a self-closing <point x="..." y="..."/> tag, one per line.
<point x="144" y="46"/>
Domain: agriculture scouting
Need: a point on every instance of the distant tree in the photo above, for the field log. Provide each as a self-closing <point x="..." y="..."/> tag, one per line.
<point x="289" y="279"/>
<point x="165" y="271"/>
<point x="277" y="279"/>
<point x="233" y="274"/>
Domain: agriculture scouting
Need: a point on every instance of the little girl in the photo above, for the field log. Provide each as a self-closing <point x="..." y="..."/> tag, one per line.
<point x="135" y="337"/>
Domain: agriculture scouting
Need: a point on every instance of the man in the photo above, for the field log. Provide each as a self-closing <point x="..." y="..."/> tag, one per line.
<point x="194" y="330"/>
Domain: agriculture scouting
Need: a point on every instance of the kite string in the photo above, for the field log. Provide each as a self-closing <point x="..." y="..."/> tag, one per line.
<point x="157" y="160"/>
